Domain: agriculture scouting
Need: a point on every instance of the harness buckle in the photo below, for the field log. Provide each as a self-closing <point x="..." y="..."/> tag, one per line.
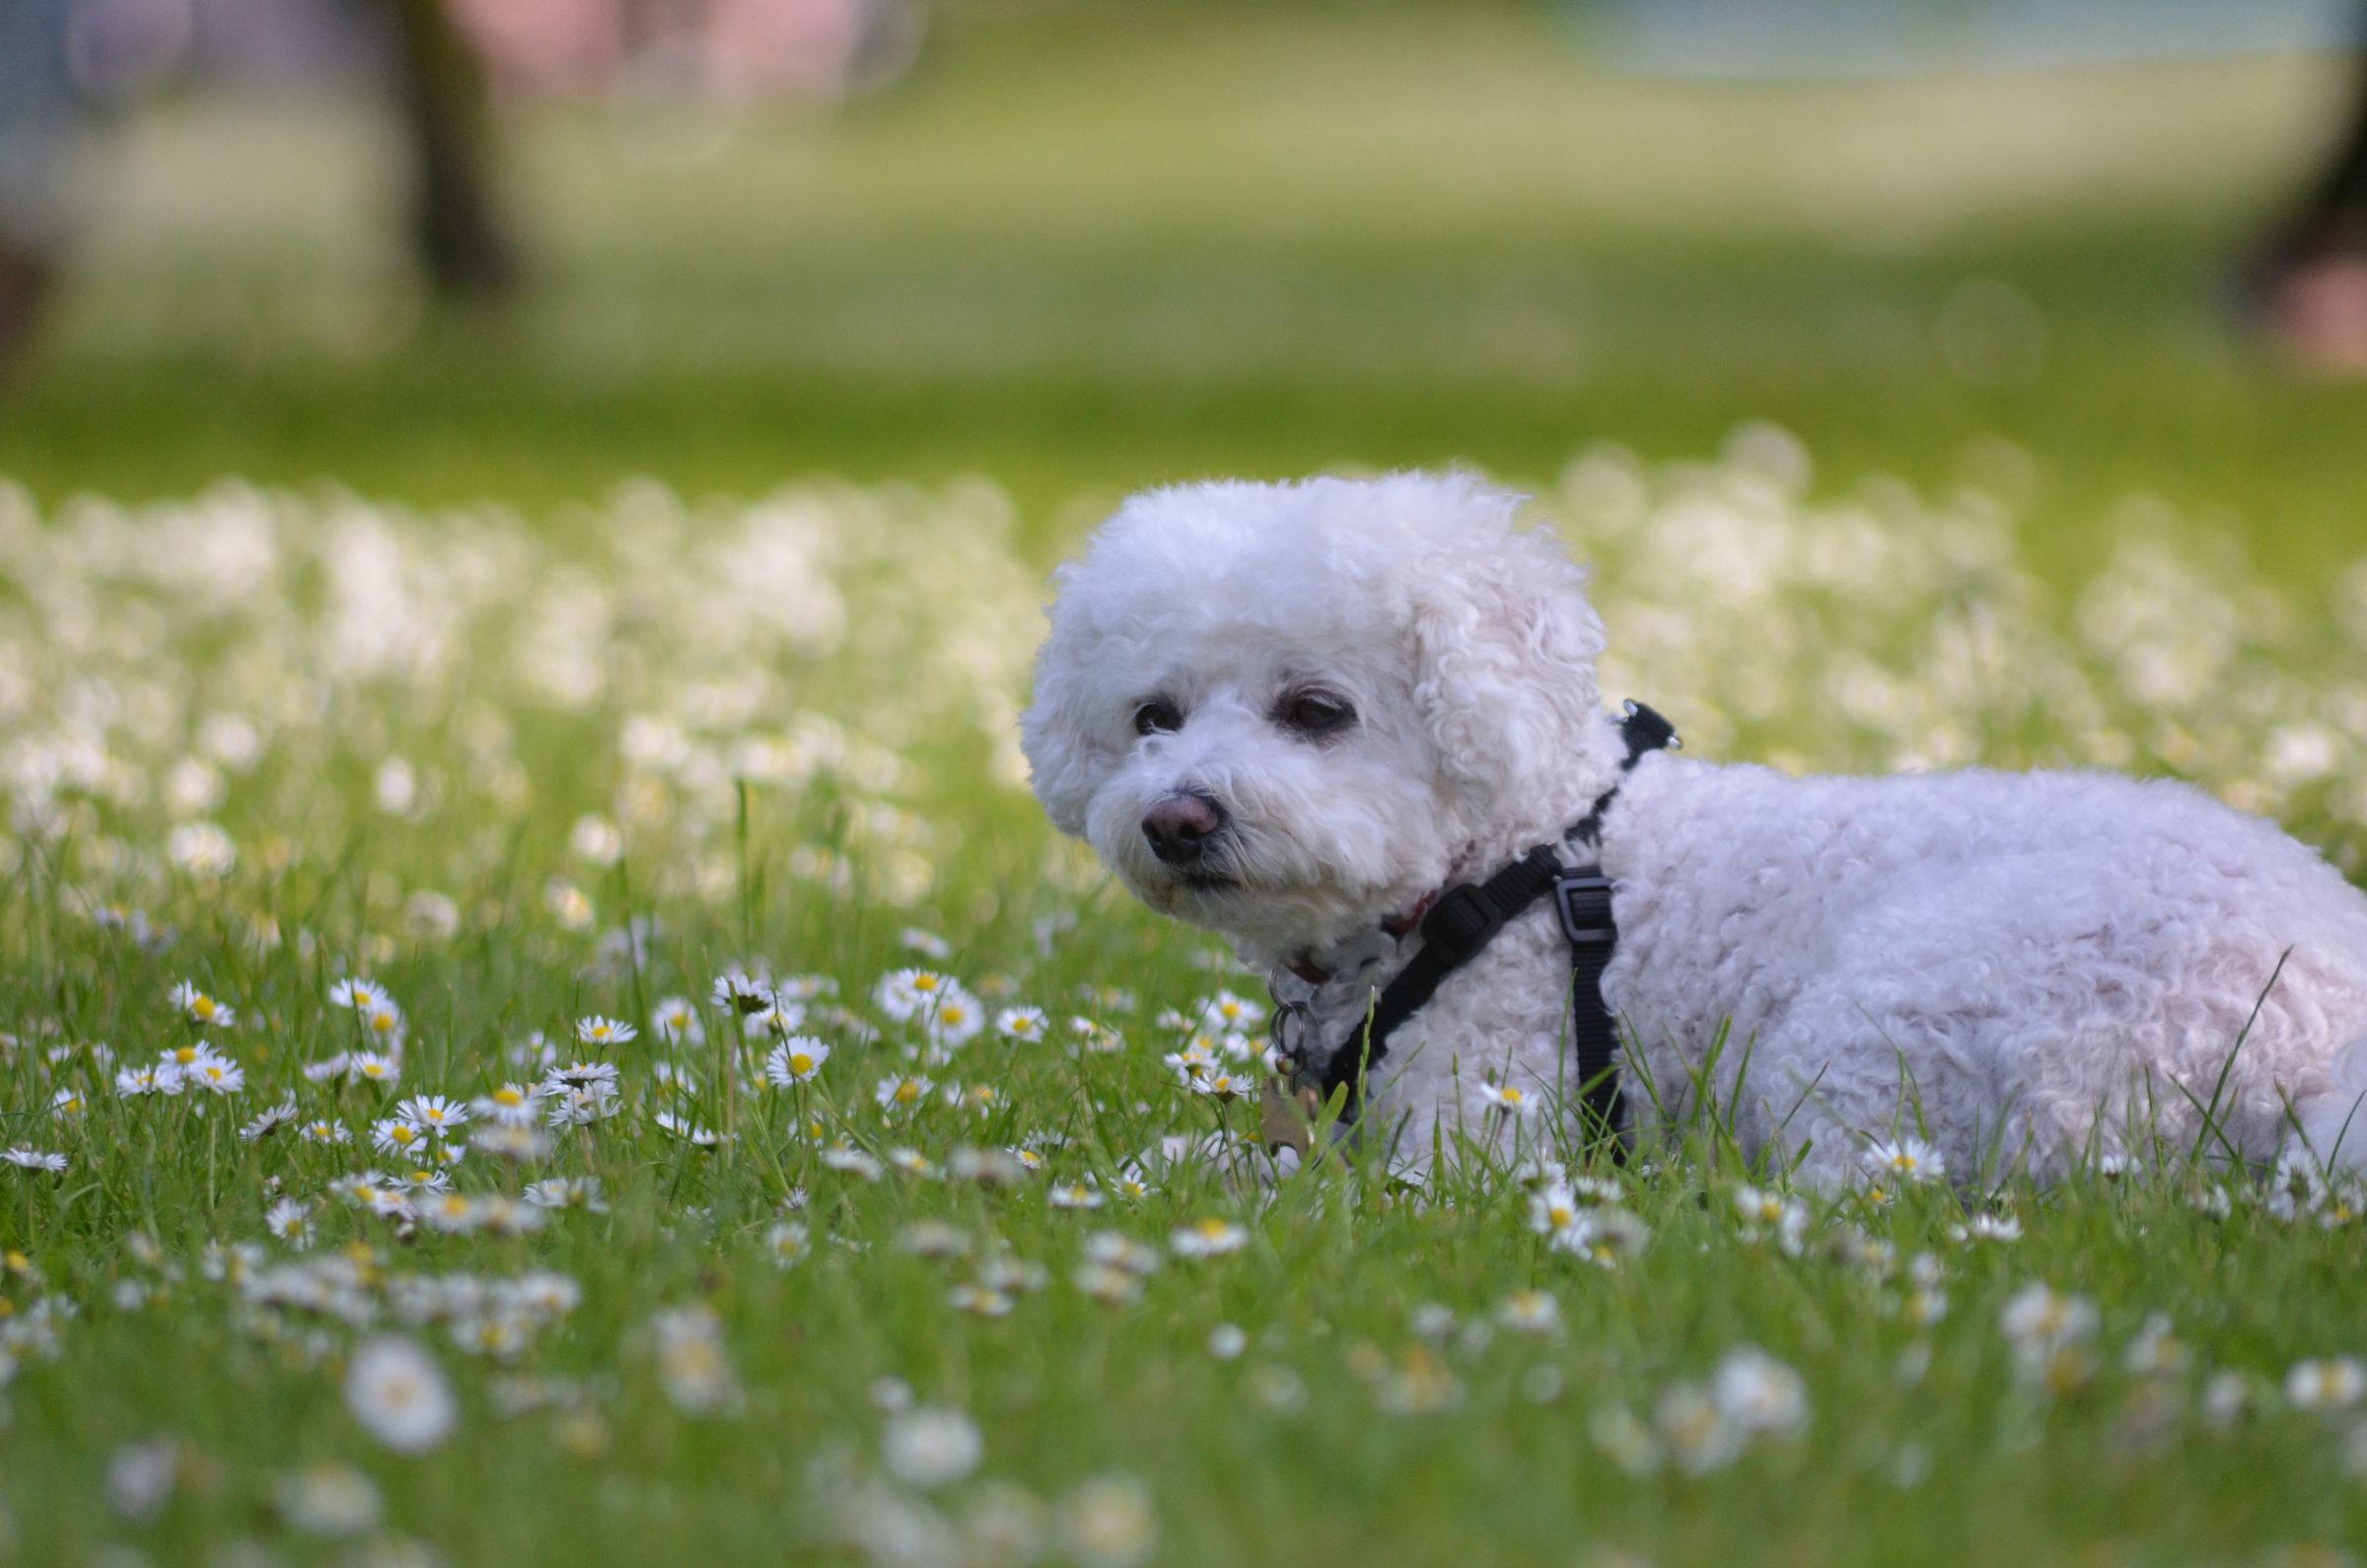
<point x="1462" y="922"/>
<point x="1583" y="899"/>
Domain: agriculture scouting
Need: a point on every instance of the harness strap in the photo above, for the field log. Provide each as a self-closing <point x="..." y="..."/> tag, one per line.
<point x="1467" y="917"/>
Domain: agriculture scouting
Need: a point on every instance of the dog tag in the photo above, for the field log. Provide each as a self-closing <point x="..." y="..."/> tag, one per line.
<point x="1286" y="1120"/>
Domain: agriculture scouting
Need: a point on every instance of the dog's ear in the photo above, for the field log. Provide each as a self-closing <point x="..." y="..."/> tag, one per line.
<point x="1065" y="762"/>
<point x="1505" y="649"/>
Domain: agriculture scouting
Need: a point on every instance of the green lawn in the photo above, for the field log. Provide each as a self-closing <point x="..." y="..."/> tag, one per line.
<point x="527" y="669"/>
<point x="1077" y="261"/>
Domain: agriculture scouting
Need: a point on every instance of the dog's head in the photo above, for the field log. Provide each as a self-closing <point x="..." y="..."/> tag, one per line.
<point x="1286" y="711"/>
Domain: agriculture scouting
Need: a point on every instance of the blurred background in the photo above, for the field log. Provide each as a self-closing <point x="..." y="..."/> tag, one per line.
<point x="452" y="249"/>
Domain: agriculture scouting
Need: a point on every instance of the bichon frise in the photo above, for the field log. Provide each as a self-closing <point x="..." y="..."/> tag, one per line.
<point x="1295" y="713"/>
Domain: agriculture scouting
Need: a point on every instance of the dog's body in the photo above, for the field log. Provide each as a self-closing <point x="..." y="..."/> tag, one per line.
<point x="1292" y="712"/>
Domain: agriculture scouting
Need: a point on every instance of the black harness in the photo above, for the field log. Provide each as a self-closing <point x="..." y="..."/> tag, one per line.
<point x="1467" y="916"/>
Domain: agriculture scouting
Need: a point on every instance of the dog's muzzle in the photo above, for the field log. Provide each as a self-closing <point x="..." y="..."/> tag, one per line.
<point x="1182" y="827"/>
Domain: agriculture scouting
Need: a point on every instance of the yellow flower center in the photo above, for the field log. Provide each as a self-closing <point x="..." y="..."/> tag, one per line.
<point x="186" y="1055"/>
<point x="506" y="1095"/>
<point x="799" y="1063"/>
<point x="907" y="1092"/>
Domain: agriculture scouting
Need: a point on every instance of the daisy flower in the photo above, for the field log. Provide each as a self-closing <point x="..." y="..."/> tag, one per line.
<point x="1227" y="1013"/>
<point x="692" y="1361"/>
<point x="215" y="1075"/>
<point x="395" y="1135"/>
<point x="1553" y="1212"/>
<point x="931" y="1446"/>
<point x="676" y="1022"/>
<point x="1209" y="1237"/>
<point x="199" y="1008"/>
<point x="568" y="1192"/>
<point x="509" y="1106"/>
<point x="1020" y="1023"/>
<point x="2336" y="1383"/>
<point x="912" y="1162"/>
<point x="510" y="1141"/>
<point x="928" y="944"/>
<point x="1510" y="1099"/>
<point x="958" y="1017"/>
<point x="1223" y="1084"/>
<point x="581" y="1075"/>
<point x="788" y="1242"/>
<point x="271" y="1121"/>
<point x="433" y="1112"/>
<point x="67" y="1102"/>
<point x="1758" y="1393"/>
<point x="1994" y="1228"/>
<point x="688" y="1131"/>
<point x="1698" y="1436"/>
<point x="900" y="1094"/>
<point x="24" y="1158"/>
<point x="291" y="1222"/>
<point x="735" y="990"/>
<point x="362" y="996"/>
<point x="1109" y="1285"/>
<point x="852" y="1161"/>
<point x="384" y="1024"/>
<point x="1604" y="1237"/>
<point x="1906" y="1161"/>
<point x="1076" y="1195"/>
<point x="398" y="1392"/>
<point x="325" y="1131"/>
<point x="597" y="1100"/>
<point x="1530" y="1312"/>
<point x="795" y="1060"/>
<point x="905" y="994"/>
<point x="600" y="1032"/>
<point x="1120" y="1250"/>
<point x="373" y="1068"/>
<point x="162" y="1078"/>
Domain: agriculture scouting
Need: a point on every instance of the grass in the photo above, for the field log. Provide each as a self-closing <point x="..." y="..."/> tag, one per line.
<point x="446" y="697"/>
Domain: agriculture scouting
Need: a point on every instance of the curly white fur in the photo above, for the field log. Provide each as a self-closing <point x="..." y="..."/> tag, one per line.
<point x="2033" y="969"/>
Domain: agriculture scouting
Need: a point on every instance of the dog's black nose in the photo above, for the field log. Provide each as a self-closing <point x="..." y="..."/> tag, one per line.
<point x="1180" y="825"/>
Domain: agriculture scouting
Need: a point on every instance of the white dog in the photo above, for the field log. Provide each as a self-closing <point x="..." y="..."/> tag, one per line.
<point x="1294" y="713"/>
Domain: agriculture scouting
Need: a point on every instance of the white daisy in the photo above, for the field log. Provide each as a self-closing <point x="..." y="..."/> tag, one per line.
<point x="1020" y="1023"/>
<point x="509" y="1106"/>
<point x="688" y="1131"/>
<point x="1907" y="1161"/>
<point x="291" y="1222"/>
<point x="396" y="1390"/>
<point x="795" y="1060"/>
<point x="162" y="1078"/>
<point x="372" y="1067"/>
<point x="676" y="1022"/>
<point x="433" y="1112"/>
<point x="271" y="1121"/>
<point x="199" y="1008"/>
<point x="598" y="1033"/>
<point x="568" y="1192"/>
<point x="1510" y="1099"/>
<point x="931" y="1446"/>
<point x="24" y="1158"/>
<point x="900" y="1094"/>
<point x="1209" y="1236"/>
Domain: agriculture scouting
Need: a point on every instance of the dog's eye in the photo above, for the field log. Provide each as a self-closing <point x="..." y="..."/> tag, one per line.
<point x="1315" y="712"/>
<point x="1155" y="715"/>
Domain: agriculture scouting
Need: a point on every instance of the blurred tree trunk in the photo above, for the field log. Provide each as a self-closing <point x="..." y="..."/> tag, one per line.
<point x="448" y="116"/>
